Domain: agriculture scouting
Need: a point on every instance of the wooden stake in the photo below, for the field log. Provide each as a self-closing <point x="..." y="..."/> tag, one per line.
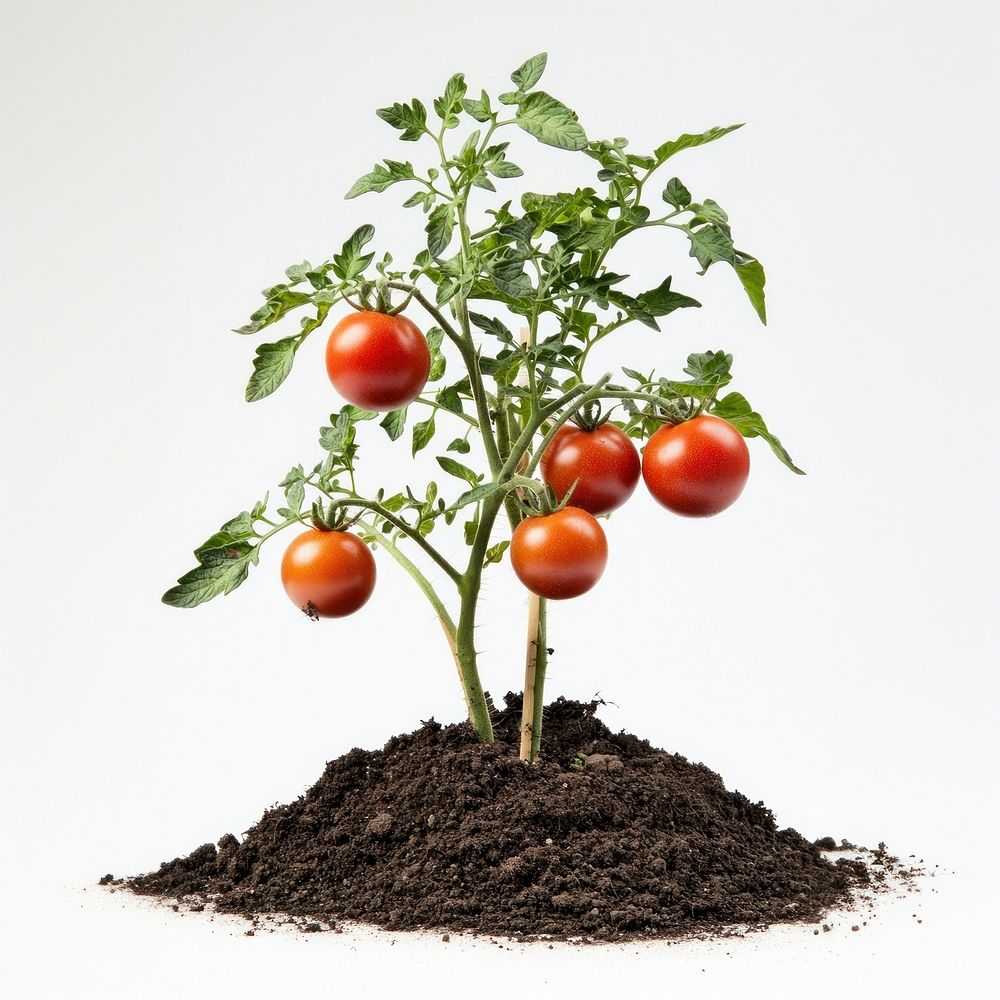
<point x="530" y="661"/>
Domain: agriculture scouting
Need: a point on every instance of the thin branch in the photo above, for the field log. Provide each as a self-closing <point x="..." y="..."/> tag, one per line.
<point x="401" y="525"/>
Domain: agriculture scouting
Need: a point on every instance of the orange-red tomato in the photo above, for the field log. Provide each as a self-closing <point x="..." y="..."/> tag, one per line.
<point x="603" y="463"/>
<point x="377" y="361"/>
<point x="328" y="574"/>
<point x="696" y="468"/>
<point x="559" y="555"/>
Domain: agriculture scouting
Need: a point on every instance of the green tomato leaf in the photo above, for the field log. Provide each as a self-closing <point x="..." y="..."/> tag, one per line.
<point x="458" y="470"/>
<point x="689" y="141"/>
<point x="382" y="177"/>
<point x="751" y="275"/>
<point x="271" y="366"/>
<point x="450" y="396"/>
<point x="410" y="119"/>
<point x="393" y="423"/>
<point x="529" y="72"/>
<point x="350" y="262"/>
<point x="493" y="326"/>
<point x="448" y="106"/>
<point x="422" y="434"/>
<point x="494" y="553"/>
<point x="710" y="244"/>
<point x="735" y="408"/>
<point x="440" y="226"/>
<point x="676" y="194"/>
<point x="476" y="494"/>
<point x="295" y="497"/>
<point x="710" y="371"/>
<point x="711" y="211"/>
<point x="551" y="122"/>
<point x="236" y="530"/>
<point x="661" y="301"/>
<point x="435" y="336"/>
<point x="480" y="110"/>
<point x="222" y="572"/>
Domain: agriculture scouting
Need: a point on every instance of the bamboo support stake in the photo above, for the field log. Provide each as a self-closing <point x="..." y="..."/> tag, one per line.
<point x="530" y="662"/>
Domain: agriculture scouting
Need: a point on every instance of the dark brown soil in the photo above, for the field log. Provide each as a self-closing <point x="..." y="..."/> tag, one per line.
<point x="609" y="838"/>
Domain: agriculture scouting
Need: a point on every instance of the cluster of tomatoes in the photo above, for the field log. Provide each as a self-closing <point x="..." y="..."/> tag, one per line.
<point x="380" y="362"/>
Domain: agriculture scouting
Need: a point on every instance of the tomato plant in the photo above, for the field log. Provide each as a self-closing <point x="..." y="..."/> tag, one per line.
<point x="503" y="400"/>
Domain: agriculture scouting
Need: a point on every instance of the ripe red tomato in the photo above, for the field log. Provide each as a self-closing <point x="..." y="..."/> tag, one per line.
<point x="328" y="574"/>
<point x="696" y="468"/>
<point x="603" y="463"/>
<point x="377" y="361"/>
<point x="559" y="555"/>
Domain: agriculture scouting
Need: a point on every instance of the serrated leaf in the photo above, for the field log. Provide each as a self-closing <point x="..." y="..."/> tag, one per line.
<point x="494" y="553"/>
<point x="393" y="423"/>
<point x="710" y="244"/>
<point x="551" y="122"/>
<point x="494" y="327"/>
<point x="295" y="497"/>
<point x="735" y="408"/>
<point x="298" y="272"/>
<point x="476" y="494"/>
<point x="458" y="470"/>
<point x="271" y="366"/>
<point x="236" y="530"/>
<point x="411" y="119"/>
<point x="381" y="177"/>
<point x="751" y="275"/>
<point x="689" y="141"/>
<point x="711" y="211"/>
<point x="676" y="194"/>
<point x="294" y="475"/>
<point x="422" y="434"/>
<point x="529" y="72"/>
<point x="222" y="572"/>
<point x="661" y="301"/>
<point x="338" y="436"/>
<point x="350" y="262"/>
<point x="480" y="109"/>
<point x="504" y="169"/>
<point x="449" y="104"/>
<point x="440" y="226"/>
<point x="450" y="399"/>
<point x="435" y="336"/>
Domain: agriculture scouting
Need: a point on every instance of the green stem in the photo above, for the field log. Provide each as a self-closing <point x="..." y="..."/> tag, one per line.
<point x="408" y="530"/>
<point x="421" y="581"/>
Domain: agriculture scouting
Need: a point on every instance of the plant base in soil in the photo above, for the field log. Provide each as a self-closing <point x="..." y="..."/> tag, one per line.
<point x="607" y="838"/>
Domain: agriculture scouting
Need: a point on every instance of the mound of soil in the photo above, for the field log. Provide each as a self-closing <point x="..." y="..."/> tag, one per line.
<point x="608" y="838"/>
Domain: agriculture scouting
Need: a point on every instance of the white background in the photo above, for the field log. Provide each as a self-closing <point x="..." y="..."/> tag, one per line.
<point x="826" y="644"/>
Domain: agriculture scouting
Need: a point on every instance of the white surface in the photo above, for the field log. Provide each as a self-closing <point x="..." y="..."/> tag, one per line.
<point x="829" y="644"/>
<point x="120" y="946"/>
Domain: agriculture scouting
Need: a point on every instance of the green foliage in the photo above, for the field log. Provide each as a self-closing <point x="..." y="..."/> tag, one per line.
<point x="543" y="259"/>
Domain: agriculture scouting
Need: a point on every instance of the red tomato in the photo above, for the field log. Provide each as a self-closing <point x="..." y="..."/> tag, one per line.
<point x="696" y="468"/>
<point x="328" y="574"/>
<point x="559" y="555"/>
<point x="376" y="361"/>
<point x="603" y="463"/>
